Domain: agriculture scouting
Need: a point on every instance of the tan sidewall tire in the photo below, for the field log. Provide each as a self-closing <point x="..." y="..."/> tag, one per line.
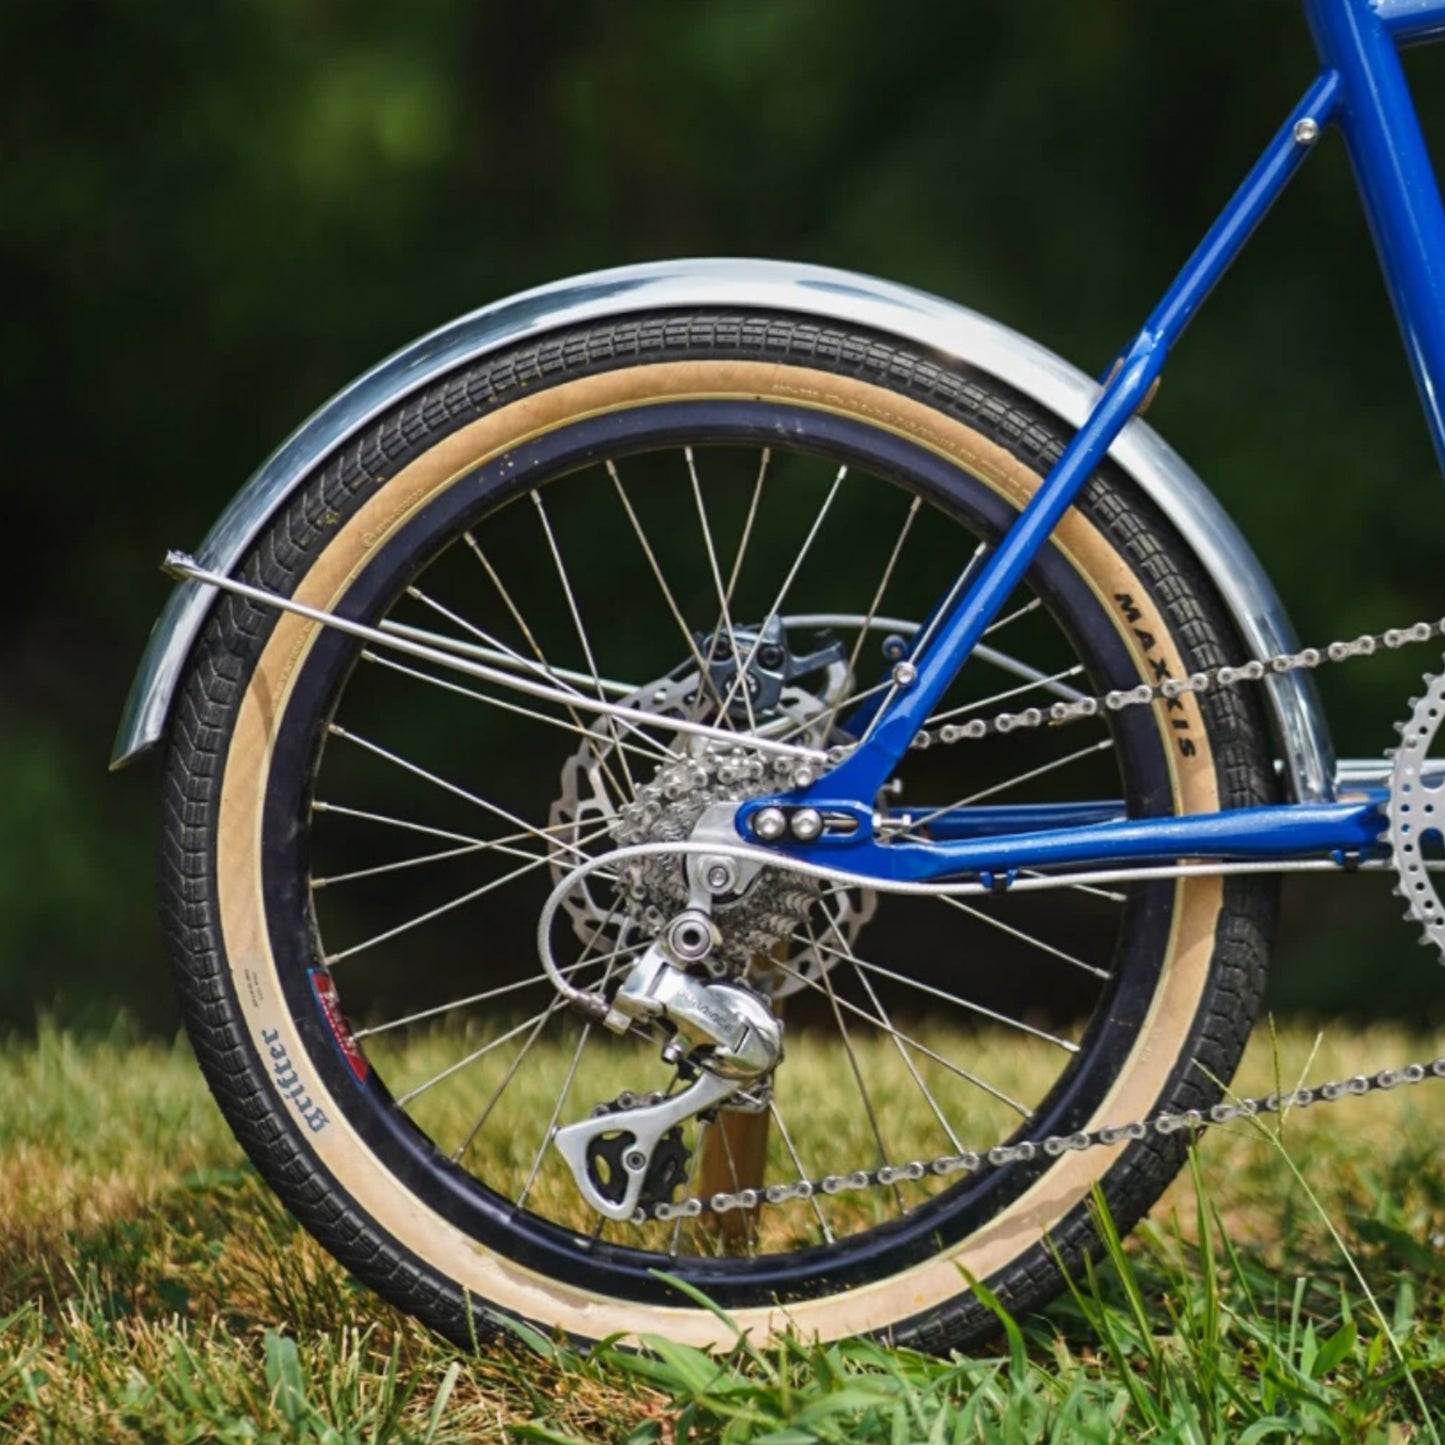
<point x="416" y="1226"/>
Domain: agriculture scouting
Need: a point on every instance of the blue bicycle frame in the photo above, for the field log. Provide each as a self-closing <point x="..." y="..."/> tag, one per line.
<point x="1361" y="88"/>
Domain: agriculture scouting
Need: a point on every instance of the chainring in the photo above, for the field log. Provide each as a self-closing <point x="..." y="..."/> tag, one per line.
<point x="1416" y="811"/>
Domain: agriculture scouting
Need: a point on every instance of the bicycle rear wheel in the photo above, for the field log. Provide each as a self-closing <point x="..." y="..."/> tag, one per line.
<point x="355" y="846"/>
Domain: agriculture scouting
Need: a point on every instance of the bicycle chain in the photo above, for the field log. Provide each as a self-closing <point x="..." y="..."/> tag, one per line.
<point x="1167" y="1123"/>
<point x="1210" y="680"/>
<point x="1195" y="1120"/>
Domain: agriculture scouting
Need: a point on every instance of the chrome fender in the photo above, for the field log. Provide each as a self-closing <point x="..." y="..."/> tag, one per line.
<point x="913" y="317"/>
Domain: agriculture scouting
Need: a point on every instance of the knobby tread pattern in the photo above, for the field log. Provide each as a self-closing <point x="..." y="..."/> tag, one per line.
<point x="210" y="694"/>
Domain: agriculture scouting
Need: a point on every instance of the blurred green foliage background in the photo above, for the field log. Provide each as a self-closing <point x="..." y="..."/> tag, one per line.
<point x="213" y="216"/>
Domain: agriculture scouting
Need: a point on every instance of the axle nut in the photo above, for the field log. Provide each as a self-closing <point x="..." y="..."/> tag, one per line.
<point x="807" y="824"/>
<point x="770" y="824"/>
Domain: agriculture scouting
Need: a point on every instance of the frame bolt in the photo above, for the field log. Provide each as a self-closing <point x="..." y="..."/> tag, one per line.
<point x="770" y="824"/>
<point x="1306" y="131"/>
<point x="720" y="874"/>
<point x="905" y="674"/>
<point x="807" y="824"/>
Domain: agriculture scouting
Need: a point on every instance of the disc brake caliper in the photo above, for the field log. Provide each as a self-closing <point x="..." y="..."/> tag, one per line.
<point x="767" y="662"/>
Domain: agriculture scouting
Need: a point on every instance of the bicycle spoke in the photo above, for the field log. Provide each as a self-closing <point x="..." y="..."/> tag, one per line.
<point x="344" y="812"/>
<point x="738" y="556"/>
<point x="337" y="731"/>
<point x="571" y="597"/>
<point x="476" y="1054"/>
<point x="747" y="532"/>
<point x="530" y="637"/>
<point x="658" y="754"/>
<point x="776" y="1115"/>
<point x="497" y="651"/>
<point x="777" y="607"/>
<point x="858" y="966"/>
<point x="491" y="993"/>
<point x="586" y="1033"/>
<point x="1008" y="783"/>
<point x="699" y="1140"/>
<point x="1023" y="937"/>
<point x="872" y="612"/>
<point x="907" y="1058"/>
<point x="857" y="1069"/>
<point x="403" y="863"/>
<point x="1106" y="893"/>
<point x="1007" y="663"/>
<point x="557" y="1003"/>
<point x="925" y="636"/>
<point x="723" y="610"/>
<point x="851" y="701"/>
<point x="847" y="954"/>
<point x="550" y="1131"/>
<point x="999" y="697"/>
<point x="912" y="1043"/>
<point x="1002" y="622"/>
<point x="437" y="912"/>
<point x="704" y="676"/>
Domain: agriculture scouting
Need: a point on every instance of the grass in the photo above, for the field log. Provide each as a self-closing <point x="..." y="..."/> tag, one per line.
<point x="152" y="1290"/>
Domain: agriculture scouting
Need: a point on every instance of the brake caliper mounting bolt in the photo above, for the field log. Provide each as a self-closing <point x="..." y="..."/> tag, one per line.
<point x="807" y="824"/>
<point x="905" y="675"/>
<point x="1306" y="131"/>
<point x="770" y="824"/>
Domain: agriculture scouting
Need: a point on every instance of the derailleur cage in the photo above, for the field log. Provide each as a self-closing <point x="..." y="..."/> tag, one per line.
<point x="609" y="1155"/>
<point x="723" y="1032"/>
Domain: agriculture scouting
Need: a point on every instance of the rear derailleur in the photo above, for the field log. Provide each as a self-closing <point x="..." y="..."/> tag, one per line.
<point x="722" y="1035"/>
